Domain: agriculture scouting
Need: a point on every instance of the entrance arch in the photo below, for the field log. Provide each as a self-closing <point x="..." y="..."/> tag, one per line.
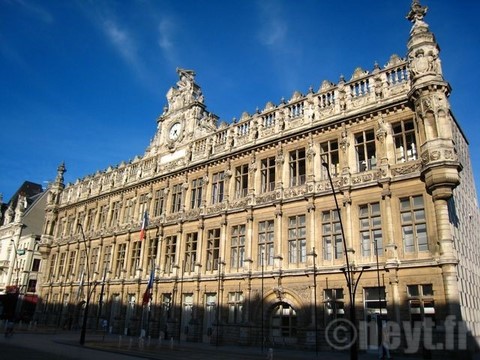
<point x="283" y="323"/>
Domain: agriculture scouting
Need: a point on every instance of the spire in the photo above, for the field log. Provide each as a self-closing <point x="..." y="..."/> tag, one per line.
<point x="423" y="50"/>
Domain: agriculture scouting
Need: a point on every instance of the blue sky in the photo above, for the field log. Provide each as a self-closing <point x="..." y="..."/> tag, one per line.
<point x="84" y="81"/>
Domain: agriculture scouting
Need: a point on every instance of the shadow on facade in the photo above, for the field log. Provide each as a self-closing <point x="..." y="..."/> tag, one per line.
<point x="420" y="330"/>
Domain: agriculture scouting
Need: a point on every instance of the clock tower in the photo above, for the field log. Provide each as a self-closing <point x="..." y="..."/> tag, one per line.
<point x="184" y="119"/>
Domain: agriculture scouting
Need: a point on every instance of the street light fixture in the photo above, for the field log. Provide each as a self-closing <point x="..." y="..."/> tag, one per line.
<point x="348" y="271"/>
<point x="90" y="289"/>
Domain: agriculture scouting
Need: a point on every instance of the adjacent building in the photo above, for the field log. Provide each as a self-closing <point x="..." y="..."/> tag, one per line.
<point x="21" y="225"/>
<point x="234" y="233"/>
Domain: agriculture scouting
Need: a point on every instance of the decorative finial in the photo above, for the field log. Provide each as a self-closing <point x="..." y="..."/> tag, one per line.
<point x="417" y="12"/>
<point x="60" y="171"/>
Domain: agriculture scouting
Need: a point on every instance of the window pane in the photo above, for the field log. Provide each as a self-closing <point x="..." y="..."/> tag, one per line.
<point x="418" y="201"/>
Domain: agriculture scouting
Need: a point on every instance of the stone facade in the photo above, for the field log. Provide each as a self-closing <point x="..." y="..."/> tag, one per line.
<point x="243" y="233"/>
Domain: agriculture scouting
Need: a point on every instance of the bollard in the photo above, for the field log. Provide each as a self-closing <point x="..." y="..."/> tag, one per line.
<point x="171" y="343"/>
<point x="130" y="344"/>
<point x="270" y="354"/>
<point x="141" y="343"/>
<point x="149" y="339"/>
<point x="119" y="340"/>
<point x="159" y="341"/>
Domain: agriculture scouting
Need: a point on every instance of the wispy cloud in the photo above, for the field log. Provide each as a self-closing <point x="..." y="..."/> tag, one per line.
<point x="122" y="41"/>
<point x="166" y="39"/>
<point x="35" y="10"/>
<point x="274" y="29"/>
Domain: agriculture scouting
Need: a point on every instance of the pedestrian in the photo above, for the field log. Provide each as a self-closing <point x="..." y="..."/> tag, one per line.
<point x="9" y="328"/>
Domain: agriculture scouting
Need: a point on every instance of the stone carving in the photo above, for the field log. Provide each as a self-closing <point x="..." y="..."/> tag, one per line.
<point x="382" y="130"/>
<point x="406" y="169"/>
<point x="344" y="140"/>
<point x="186" y="92"/>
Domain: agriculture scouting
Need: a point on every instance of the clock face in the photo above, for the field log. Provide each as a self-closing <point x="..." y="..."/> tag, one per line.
<point x="174" y="132"/>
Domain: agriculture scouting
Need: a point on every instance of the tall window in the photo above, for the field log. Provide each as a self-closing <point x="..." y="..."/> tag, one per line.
<point x="375" y="301"/>
<point x="265" y="242"/>
<point x="370" y="229"/>
<point x="213" y="249"/>
<point x="136" y="251"/>
<point x="170" y="249"/>
<point x="166" y="305"/>
<point x="414" y="227"/>
<point x="128" y="211"/>
<point x="158" y="202"/>
<point x="120" y="263"/>
<point x="365" y="150"/>
<point x="107" y="258"/>
<point x="90" y="220"/>
<point x="210" y="312"/>
<point x="70" y="228"/>
<point x="115" y="216"/>
<point x="241" y="181"/>
<point x="297" y="166"/>
<point x="32" y="284"/>
<point x="421" y="303"/>
<point x="177" y="198"/>
<point x="61" y="264"/>
<point x="334" y="304"/>
<point x="71" y="264"/>
<point x="142" y="206"/>
<point x="237" y="253"/>
<point x="102" y="220"/>
<point x="94" y="260"/>
<point x="191" y="251"/>
<point x="80" y="220"/>
<point x="36" y="265"/>
<point x="235" y="307"/>
<point x="187" y="309"/>
<point x="268" y="174"/>
<point x="81" y="264"/>
<point x="152" y="251"/>
<point x="329" y="154"/>
<point x="297" y="239"/>
<point x="331" y="235"/>
<point x="405" y="142"/>
<point x="218" y="184"/>
<point x="196" y="199"/>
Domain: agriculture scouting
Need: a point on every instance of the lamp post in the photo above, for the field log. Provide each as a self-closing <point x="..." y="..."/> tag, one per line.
<point x="314" y="255"/>
<point x="219" y="303"/>
<point x="89" y="288"/>
<point x="349" y="273"/>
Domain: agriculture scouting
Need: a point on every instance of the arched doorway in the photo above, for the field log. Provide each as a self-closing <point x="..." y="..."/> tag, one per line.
<point x="283" y="324"/>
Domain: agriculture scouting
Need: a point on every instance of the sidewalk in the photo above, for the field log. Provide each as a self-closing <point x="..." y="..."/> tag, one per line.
<point x="133" y="347"/>
<point x="170" y="350"/>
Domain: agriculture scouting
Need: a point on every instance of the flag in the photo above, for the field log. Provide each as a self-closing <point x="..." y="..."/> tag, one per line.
<point x="147" y="295"/>
<point x="144" y="225"/>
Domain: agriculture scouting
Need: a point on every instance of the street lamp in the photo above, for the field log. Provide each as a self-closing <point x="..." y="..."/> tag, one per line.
<point x="89" y="288"/>
<point x="314" y="255"/>
<point x="348" y="271"/>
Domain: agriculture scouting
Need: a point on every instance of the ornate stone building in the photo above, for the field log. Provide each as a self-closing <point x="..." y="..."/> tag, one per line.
<point x="243" y="233"/>
<point x="21" y="226"/>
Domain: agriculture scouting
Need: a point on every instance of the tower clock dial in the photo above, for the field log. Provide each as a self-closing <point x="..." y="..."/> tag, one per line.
<point x="174" y="132"/>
